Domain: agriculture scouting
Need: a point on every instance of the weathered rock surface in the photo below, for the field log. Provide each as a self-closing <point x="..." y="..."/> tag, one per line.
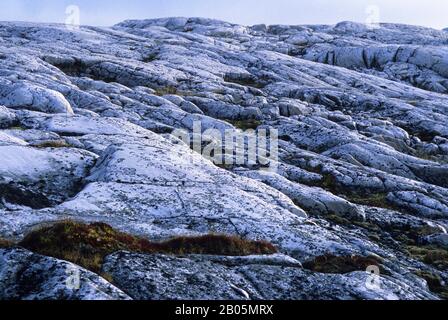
<point x="88" y="130"/>
<point x="28" y="276"/>
<point x="157" y="277"/>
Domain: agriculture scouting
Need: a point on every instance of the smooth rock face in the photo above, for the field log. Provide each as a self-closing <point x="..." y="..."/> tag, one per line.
<point x="23" y="95"/>
<point x="89" y="123"/>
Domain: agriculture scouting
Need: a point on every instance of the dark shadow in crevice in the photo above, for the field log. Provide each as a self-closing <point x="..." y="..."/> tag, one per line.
<point x="19" y="195"/>
<point x="79" y="69"/>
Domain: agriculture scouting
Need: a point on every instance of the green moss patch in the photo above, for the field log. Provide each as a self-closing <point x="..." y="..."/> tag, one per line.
<point x="19" y="128"/>
<point x="377" y="200"/>
<point x="245" y="124"/>
<point x="408" y="236"/>
<point x="435" y="283"/>
<point x="328" y="182"/>
<point x="87" y="244"/>
<point x="163" y="91"/>
<point x="337" y="219"/>
<point x="245" y="80"/>
<point x="412" y="236"/>
<point x="340" y="264"/>
<point x="364" y="197"/>
<point x="52" y="144"/>
<point x="432" y="255"/>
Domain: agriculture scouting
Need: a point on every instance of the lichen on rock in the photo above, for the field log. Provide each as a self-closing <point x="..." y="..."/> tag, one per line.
<point x="90" y="131"/>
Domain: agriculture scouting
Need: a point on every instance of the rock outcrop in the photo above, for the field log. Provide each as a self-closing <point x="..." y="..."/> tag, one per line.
<point x="29" y="276"/>
<point x="89" y="130"/>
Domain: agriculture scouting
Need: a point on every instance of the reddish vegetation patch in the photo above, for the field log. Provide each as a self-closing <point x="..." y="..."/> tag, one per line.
<point x="216" y="245"/>
<point x="88" y="244"/>
<point x="5" y="243"/>
<point x="340" y="264"/>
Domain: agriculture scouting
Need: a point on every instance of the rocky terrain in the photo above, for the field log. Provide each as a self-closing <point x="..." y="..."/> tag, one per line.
<point x="87" y="118"/>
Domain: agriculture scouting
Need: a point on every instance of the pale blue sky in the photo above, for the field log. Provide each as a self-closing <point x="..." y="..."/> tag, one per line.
<point x="432" y="13"/>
